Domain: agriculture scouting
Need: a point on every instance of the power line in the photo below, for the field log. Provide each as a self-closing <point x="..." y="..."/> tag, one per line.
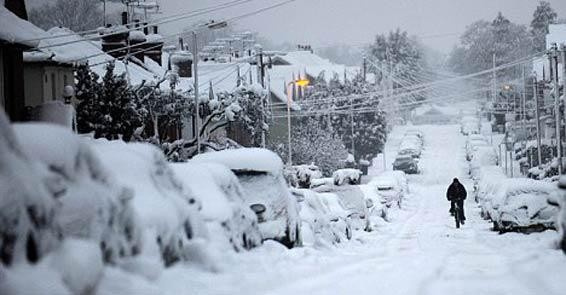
<point x="184" y="16"/>
<point x="233" y="19"/>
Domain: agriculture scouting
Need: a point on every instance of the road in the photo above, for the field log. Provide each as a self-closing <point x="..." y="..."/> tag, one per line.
<point x="418" y="252"/>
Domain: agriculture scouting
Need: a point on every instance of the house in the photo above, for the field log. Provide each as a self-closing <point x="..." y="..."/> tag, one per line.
<point x="16" y="35"/>
<point x="295" y="65"/>
<point x="45" y="77"/>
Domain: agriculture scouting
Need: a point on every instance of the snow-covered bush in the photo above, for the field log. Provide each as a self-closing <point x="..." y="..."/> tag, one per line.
<point x="306" y="173"/>
<point x="93" y="206"/>
<point x="27" y="203"/>
<point x="347" y="176"/>
<point x="168" y="214"/>
<point x="230" y="221"/>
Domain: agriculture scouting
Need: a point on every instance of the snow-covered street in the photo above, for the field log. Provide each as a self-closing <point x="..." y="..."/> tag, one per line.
<point x="418" y="252"/>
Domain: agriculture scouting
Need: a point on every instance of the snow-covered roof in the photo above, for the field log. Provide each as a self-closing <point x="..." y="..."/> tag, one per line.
<point x="302" y="63"/>
<point x="245" y="159"/>
<point x="78" y="50"/>
<point x="18" y="31"/>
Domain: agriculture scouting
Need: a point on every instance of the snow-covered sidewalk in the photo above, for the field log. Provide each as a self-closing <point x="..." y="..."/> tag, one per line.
<point x="419" y="252"/>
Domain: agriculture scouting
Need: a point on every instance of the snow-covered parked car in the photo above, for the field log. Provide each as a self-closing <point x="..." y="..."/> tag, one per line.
<point x="319" y="225"/>
<point x="388" y="189"/>
<point x="473" y="143"/>
<point x="470" y="125"/>
<point x="347" y="176"/>
<point x="524" y="205"/>
<point x="353" y="201"/>
<point x="481" y="157"/>
<point x="92" y="205"/>
<point x="230" y="221"/>
<point x="27" y="203"/>
<point x="260" y="172"/>
<point x="168" y="215"/>
<point x="406" y="163"/>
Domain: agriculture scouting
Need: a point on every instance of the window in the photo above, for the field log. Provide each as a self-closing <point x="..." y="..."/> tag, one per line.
<point x="53" y="87"/>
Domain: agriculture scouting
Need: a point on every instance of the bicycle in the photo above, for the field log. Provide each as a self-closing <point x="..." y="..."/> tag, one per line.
<point x="457" y="216"/>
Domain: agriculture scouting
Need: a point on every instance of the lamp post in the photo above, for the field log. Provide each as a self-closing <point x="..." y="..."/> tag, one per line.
<point x="211" y="26"/>
<point x="300" y="83"/>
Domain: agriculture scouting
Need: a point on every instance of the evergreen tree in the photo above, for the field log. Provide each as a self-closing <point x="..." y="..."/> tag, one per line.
<point x="543" y="16"/>
<point x="108" y="108"/>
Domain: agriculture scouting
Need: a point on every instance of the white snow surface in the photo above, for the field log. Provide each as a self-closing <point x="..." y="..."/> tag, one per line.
<point x="418" y="252"/>
<point x="245" y="159"/>
<point x="16" y="30"/>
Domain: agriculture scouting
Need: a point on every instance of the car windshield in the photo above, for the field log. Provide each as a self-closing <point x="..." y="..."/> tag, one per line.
<point x="259" y="185"/>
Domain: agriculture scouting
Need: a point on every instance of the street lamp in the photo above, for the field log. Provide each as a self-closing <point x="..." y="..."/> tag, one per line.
<point x="301" y="83"/>
<point x="211" y="26"/>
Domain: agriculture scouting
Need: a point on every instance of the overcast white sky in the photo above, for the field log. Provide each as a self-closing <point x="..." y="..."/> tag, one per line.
<point x="324" y="22"/>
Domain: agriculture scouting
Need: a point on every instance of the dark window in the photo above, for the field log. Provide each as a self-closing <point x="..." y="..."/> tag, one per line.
<point x="53" y="87"/>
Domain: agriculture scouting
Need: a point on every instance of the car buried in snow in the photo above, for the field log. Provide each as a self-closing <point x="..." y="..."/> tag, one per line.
<point x="524" y="205"/>
<point x="353" y="201"/>
<point x="230" y="221"/>
<point x="406" y="163"/>
<point x="260" y="173"/>
<point x="320" y="222"/>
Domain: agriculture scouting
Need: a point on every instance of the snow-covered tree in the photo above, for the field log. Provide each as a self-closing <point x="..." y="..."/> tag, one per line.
<point x="482" y="40"/>
<point x="107" y="107"/>
<point x="543" y="16"/>
<point x="312" y="141"/>
<point x="246" y="105"/>
<point x="331" y="104"/>
<point x="397" y="54"/>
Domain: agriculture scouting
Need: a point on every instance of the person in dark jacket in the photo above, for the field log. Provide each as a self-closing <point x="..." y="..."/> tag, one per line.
<point x="457" y="193"/>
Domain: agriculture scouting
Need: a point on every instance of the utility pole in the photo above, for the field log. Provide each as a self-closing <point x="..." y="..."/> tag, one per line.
<point x="289" y="96"/>
<point x="352" y="129"/>
<point x="537" y="118"/>
<point x="493" y="86"/>
<point x="554" y="64"/>
<point x="523" y="107"/>
<point x="364" y="68"/>
<point x="195" y="80"/>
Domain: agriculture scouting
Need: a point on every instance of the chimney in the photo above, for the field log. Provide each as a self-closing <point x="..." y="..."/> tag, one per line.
<point x="155" y="29"/>
<point x="17" y="7"/>
<point x="124" y="18"/>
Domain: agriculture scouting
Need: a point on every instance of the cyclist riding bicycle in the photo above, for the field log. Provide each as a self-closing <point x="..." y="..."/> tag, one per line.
<point x="456" y="194"/>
